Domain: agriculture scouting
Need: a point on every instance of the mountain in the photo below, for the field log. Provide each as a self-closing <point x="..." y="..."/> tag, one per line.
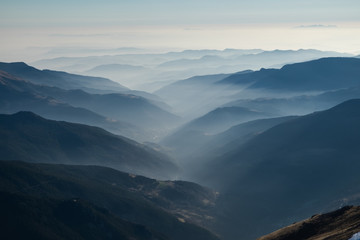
<point x="234" y="137"/>
<point x="115" y="68"/>
<point x="341" y="224"/>
<point x="254" y="60"/>
<point x="61" y="79"/>
<point x="69" y="81"/>
<point x="187" y="84"/>
<point x="196" y="53"/>
<point x="123" y="107"/>
<point x="64" y="219"/>
<point x="29" y="137"/>
<point x="150" y="59"/>
<point x="206" y="61"/>
<point x="299" y="104"/>
<point x="221" y="119"/>
<point x="195" y="140"/>
<point x="277" y="58"/>
<point x="124" y="73"/>
<point x="284" y="174"/>
<point x="316" y="75"/>
<point x="19" y="95"/>
<point x="196" y="95"/>
<point x="194" y="149"/>
<point x="82" y="198"/>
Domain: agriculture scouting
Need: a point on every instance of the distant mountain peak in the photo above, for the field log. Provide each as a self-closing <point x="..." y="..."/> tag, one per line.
<point x="23" y="117"/>
<point x="347" y="106"/>
<point x="19" y="64"/>
<point x="26" y="114"/>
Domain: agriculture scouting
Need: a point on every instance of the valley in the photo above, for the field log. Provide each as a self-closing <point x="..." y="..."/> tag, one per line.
<point x="224" y="144"/>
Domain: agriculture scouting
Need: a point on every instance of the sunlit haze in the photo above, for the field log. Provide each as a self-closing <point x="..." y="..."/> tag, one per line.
<point x="30" y="29"/>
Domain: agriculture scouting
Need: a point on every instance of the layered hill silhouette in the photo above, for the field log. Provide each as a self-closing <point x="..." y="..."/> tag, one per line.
<point x="196" y="133"/>
<point x="78" y="201"/>
<point x="123" y="107"/>
<point x="158" y="69"/>
<point x="111" y="111"/>
<point x="223" y="118"/>
<point x="200" y="90"/>
<point x="299" y="105"/>
<point x="61" y="79"/>
<point x="19" y="95"/>
<point x="194" y="149"/>
<point x="274" y="88"/>
<point x="305" y="165"/>
<point x="250" y="60"/>
<point x="29" y="137"/>
<point x="321" y="74"/>
<point x="341" y="224"/>
<point x="270" y="172"/>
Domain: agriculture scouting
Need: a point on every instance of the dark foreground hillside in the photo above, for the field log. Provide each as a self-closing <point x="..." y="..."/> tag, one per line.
<point x="24" y="217"/>
<point x="47" y="192"/>
<point x="338" y="225"/>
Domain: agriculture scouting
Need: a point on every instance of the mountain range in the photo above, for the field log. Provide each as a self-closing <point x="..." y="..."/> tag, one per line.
<point x="317" y="75"/>
<point x="113" y="111"/>
<point x="170" y="66"/>
<point x="18" y="95"/>
<point x="290" y="90"/>
<point x="272" y="146"/>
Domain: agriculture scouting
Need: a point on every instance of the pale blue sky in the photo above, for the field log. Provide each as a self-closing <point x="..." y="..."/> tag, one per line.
<point x="166" y="23"/>
<point x="83" y="12"/>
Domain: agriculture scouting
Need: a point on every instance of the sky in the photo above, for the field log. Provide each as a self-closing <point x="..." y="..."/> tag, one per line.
<point x="30" y="28"/>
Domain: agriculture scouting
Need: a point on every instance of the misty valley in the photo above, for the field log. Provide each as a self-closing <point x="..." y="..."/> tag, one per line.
<point x="195" y="144"/>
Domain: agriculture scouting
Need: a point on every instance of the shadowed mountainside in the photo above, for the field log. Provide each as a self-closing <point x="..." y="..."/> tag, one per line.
<point x="221" y="119"/>
<point x="61" y="79"/>
<point x="82" y="107"/>
<point x="305" y="165"/>
<point x="194" y="149"/>
<point x="169" y="208"/>
<point x="28" y="137"/>
<point x="19" y="95"/>
<point x="321" y="74"/>
<point x="24" y="217"/>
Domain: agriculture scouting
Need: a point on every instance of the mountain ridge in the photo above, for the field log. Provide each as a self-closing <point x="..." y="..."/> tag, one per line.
<point x="305" y="76"/>
<point x="164" y="206"/>
<point x="341" y="224"/>
<point x="29" y="137"/>
<point x="59" y="78"/>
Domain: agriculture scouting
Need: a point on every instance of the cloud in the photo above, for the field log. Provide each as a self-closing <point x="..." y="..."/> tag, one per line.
<point x="78" y="35"/>
<point x="316" y="26"/>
